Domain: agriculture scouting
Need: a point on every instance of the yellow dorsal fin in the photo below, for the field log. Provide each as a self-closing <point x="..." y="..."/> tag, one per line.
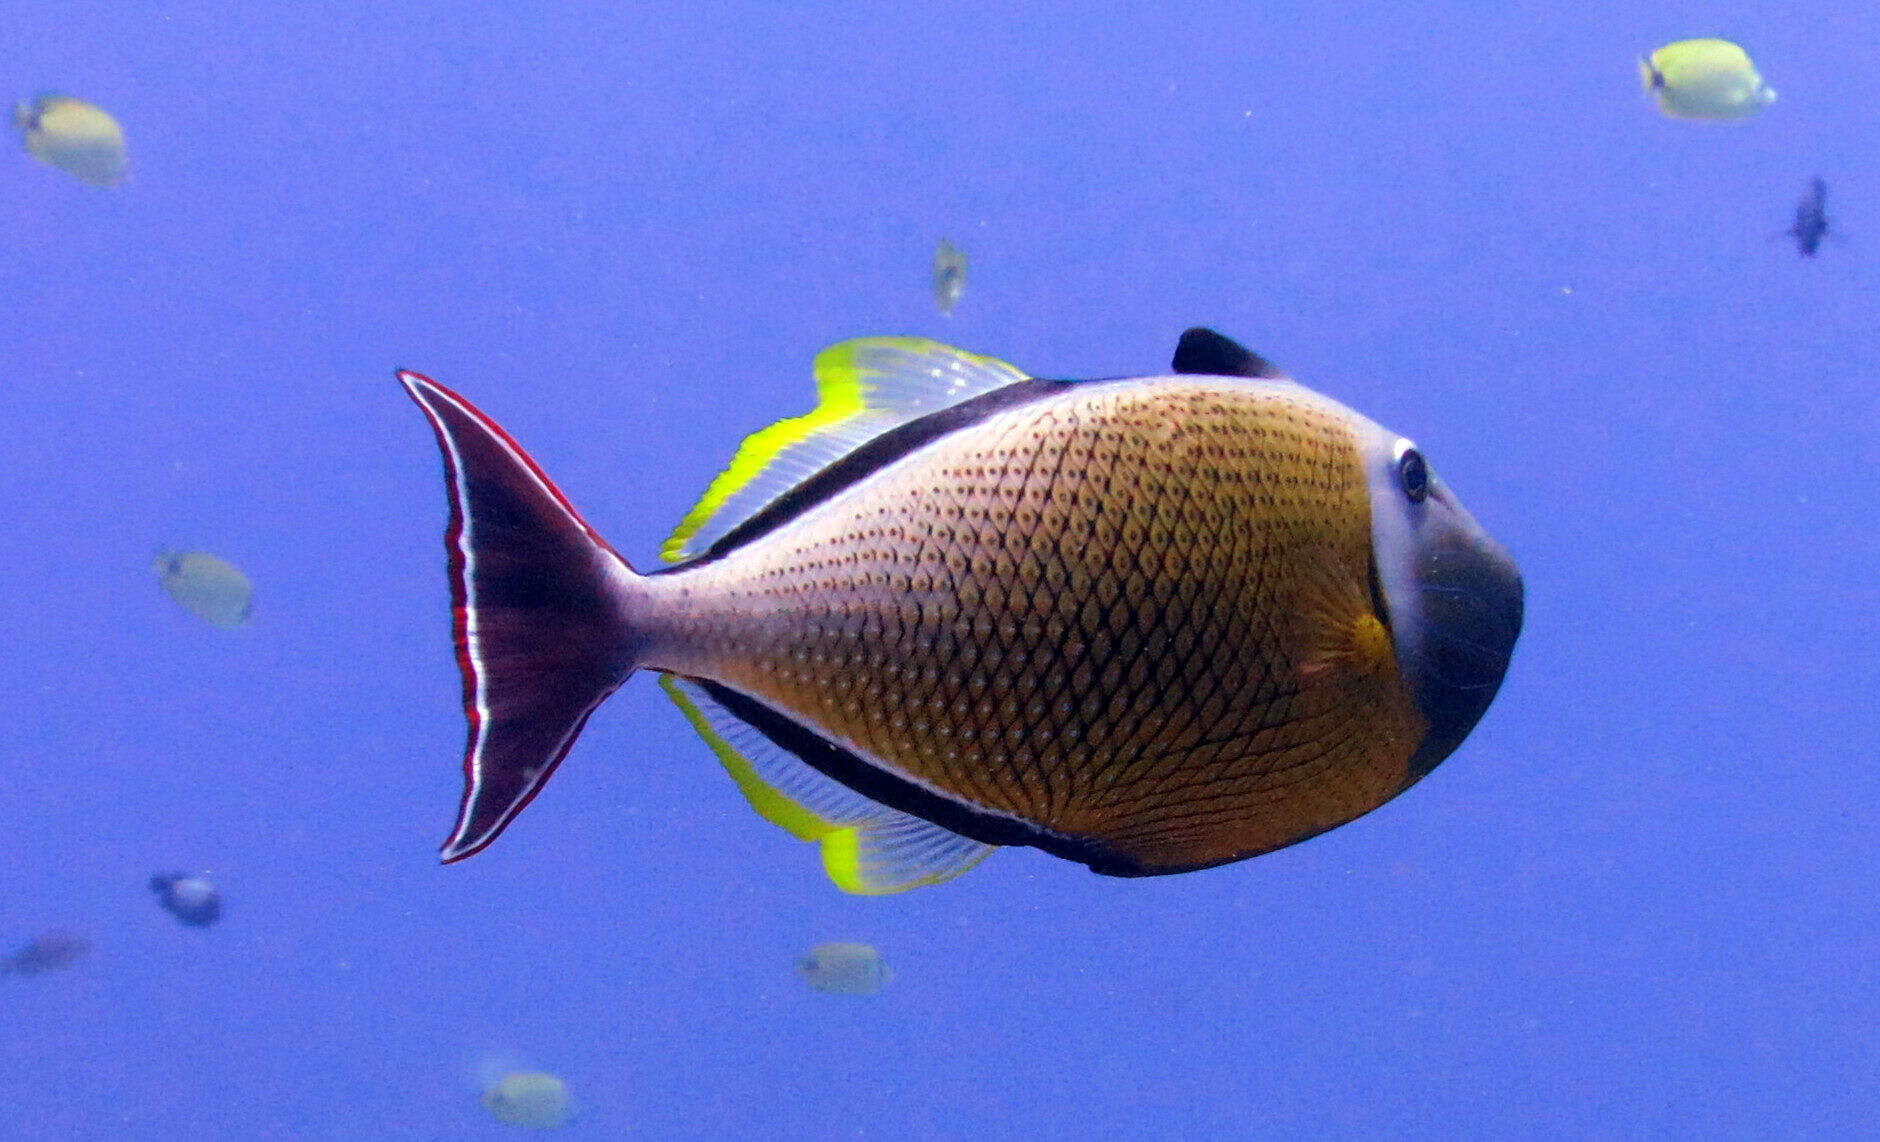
<point x="867" y="848"/>
<point x="864" y="388"/>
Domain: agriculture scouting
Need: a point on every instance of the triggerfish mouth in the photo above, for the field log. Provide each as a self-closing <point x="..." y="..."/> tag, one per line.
<point x="1151" y="624"/>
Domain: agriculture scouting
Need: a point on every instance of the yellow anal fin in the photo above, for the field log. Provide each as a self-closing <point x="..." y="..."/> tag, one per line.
<point x="864" y="388"/>
<point x="867" y="848"/>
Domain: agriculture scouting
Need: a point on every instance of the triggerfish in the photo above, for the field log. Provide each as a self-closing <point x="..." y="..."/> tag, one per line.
<point x="1152" y="624"/>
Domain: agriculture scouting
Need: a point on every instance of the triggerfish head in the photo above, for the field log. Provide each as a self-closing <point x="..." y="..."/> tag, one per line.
<point x="1152" y="624"/>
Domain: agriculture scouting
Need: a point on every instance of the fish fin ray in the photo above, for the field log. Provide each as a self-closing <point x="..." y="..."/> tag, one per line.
<point x="865" y="387"/>
<point x="541" y="610"/>
<point x="867" y="848"/>
<point x="1203" y="351"/>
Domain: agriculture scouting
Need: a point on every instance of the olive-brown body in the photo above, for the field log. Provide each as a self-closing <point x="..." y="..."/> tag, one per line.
<point x="1132" y="615"/>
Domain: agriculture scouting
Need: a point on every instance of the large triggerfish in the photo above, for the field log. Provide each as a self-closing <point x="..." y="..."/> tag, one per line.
<point x="1152" y="624"/>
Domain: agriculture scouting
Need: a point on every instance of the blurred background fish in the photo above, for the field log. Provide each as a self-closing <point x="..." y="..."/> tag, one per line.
<point x="193" y="900"/>
<point x="535" y="1100"/>
<point x="208" y="586"/>
<point x="79" y="138"/>
<point x="949" y="277"/>
<point x="1811" y="218"/>
<point x="48" y="951"/>
<point x="1704" y="79"/>
<point x="844" y="969"/>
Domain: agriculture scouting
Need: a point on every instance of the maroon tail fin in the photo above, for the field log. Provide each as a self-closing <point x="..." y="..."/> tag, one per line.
<point x="542" y="615"/>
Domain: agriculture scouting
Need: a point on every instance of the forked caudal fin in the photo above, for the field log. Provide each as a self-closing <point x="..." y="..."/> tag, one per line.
<point x="542" y="612"/>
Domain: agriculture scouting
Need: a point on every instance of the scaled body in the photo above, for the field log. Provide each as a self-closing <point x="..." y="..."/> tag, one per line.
<point x="1083" y="663"/>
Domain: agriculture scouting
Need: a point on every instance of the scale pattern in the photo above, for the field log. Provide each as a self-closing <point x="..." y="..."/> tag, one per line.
<point x="1134" y="614"/>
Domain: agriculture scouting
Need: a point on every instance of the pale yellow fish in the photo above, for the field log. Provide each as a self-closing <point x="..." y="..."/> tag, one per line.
<point x="535" y="1100"/>
<point x="1704" y="79"/>
<point x="77" y="137"/>
<point x="209" y="586"/>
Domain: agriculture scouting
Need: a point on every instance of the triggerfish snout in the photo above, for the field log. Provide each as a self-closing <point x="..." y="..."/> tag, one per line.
<point x="1151" y="624"/>
<point x="1453" y="596"/>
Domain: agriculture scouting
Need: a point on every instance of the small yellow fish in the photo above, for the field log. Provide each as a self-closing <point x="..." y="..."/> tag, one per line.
<point x="1704" y="79"/>
<point x="79" y="138"/>
<point x="1151" y="624"/>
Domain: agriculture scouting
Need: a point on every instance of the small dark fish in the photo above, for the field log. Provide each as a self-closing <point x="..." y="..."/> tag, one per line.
<point x="46" y="952"/>
<point x="1811" y="219"/>
<point x="194" y="900"/>
<point x="949" y="276"/>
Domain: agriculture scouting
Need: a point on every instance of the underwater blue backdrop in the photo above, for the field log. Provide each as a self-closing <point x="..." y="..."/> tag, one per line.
<point x="1638" y="901"/>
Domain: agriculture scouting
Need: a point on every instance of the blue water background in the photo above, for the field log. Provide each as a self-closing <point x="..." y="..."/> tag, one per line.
<point x="1638" y="902"/>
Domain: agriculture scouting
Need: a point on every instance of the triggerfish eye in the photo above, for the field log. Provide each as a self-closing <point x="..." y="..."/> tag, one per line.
<point x="1414" y="474"/>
